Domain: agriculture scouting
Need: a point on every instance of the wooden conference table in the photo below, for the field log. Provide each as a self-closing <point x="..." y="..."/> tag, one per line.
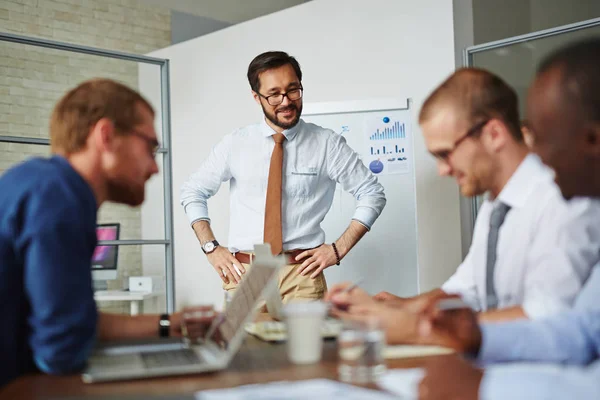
<point x="256" y="362"/>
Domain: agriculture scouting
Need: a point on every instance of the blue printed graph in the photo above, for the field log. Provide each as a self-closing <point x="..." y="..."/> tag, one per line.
<point x="396" y="131"/>
<point x="387" y="150"/>
<point x="376" y="166"/>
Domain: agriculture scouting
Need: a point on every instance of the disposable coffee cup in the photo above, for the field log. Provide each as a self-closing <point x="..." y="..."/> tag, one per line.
<point x="304" y="321"/>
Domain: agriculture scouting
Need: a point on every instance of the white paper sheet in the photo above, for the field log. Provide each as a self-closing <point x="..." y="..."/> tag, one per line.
<point x="402" y="382"/>
<point x="387" y="145"/>
<point x="298" y="390"/>
<point x="409" y="351"/>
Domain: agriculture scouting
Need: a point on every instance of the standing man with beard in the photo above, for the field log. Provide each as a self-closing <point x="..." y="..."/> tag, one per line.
<point x="282" y="174"/>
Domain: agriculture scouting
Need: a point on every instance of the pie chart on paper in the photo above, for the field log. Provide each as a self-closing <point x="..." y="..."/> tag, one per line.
<point x="376" y="166"/>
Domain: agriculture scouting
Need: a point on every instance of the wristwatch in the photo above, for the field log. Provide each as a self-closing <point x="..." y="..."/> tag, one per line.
<point x="209" y="247"/>
<point x="164" y="326"/>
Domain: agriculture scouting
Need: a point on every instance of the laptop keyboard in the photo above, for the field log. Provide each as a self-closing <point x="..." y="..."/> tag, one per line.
<point x="170" y="358"/>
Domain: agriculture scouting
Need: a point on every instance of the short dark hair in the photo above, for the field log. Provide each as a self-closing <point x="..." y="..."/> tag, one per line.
<point x="478" y="95"/>
<point x="267" y="61"/>
<point x="579" y="64"/>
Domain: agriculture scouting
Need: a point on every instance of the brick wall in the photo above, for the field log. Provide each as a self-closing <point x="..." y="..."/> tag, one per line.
<point x="33" y="78"/>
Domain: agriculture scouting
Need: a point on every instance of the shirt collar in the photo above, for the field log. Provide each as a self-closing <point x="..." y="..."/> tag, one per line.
<point x="288" y="133"/>
<point x="519" y="187"/>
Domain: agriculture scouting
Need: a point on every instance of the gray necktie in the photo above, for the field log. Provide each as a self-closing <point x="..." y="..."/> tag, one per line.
<point x="496" y="220"/>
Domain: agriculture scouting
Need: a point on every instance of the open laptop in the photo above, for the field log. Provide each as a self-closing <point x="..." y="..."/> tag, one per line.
<point x="162" y="357"/>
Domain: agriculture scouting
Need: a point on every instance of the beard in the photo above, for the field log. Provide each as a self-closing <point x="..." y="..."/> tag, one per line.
<point x="477" y="182"/>
<point x="273" y="117"/>
<point x="120" y="191"/>
<point x="471" y="188"/>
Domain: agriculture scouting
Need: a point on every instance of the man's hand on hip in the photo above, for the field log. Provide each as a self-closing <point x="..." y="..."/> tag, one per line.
<point x="225" y="264"/>
<point x="316" y="260"/>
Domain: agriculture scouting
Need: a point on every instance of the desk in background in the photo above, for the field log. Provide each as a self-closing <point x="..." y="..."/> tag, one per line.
<point x="135" y="299"/>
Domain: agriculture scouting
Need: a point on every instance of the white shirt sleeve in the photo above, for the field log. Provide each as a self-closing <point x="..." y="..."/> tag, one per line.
<point x="206" y="181"/>
<point x="561" y="256"/>
<point x="463" y="281"/>
<point x="344" y="167"/>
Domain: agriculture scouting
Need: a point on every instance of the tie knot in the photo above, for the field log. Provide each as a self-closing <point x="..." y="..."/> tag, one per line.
<point x="498" y="214"/>
<point x="278" y="138"/>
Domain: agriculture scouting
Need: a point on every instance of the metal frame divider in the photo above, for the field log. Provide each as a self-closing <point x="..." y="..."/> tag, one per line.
<point x="165" y="149"/>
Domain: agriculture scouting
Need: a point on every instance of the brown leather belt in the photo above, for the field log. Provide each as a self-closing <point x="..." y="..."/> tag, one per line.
<point x="247" y="258"/>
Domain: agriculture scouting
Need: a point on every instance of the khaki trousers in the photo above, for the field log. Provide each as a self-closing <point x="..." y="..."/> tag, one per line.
<point x="292" y="285"/>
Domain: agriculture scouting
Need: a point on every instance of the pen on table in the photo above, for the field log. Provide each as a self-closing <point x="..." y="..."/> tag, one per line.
<point x="352" y="286"/>
<point x="347" y="290"/>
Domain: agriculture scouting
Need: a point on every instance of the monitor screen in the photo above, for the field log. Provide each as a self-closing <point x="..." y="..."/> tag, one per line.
<point x="105" y="257"/>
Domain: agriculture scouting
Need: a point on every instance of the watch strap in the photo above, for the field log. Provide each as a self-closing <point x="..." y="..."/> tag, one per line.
<point x="164" y="326"/>
<point x="210" y="241"/>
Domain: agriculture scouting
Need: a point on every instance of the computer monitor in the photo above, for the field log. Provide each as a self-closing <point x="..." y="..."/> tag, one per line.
<point x="104" y="259"/>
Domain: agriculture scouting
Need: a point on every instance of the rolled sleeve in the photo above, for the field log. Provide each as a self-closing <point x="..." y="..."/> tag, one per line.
<point x="529" y="381"/>
<point x="196" y="212"/>
<point x="344" y="167"/>
<point x="206" y="181"/>
<point x="366" y="216"/>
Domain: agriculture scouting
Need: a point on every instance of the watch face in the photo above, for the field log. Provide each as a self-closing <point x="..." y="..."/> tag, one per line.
<point x="208" y="247"/>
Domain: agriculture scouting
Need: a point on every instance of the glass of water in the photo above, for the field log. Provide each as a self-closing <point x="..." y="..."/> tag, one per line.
<point x="195" y="322"/>
<point x="360" y="351"/>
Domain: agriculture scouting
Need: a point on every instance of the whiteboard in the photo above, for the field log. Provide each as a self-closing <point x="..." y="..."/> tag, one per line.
<point x="386" y="257"/>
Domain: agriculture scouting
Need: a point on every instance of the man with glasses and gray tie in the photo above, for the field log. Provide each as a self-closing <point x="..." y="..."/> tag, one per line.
<point x="282" y="174"/>
<point x="532" y="251"/>
<point x="556" y="357"/>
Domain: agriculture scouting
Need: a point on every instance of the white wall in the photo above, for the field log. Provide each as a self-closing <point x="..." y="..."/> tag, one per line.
<point x="233" y="11"/>
<point x="349" y="50"/>
<point x="463" y="38"/>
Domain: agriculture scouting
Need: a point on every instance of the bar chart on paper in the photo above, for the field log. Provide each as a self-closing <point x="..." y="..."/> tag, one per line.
<point x="396" y="131"/>
<point x="392" y="242"/>
<point x="387" y="149"/>
<point x="390" y="150"/>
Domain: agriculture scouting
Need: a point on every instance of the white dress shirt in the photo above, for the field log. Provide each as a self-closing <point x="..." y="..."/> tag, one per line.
<point x="546" y="246"/>
<point x="314" y="159"/>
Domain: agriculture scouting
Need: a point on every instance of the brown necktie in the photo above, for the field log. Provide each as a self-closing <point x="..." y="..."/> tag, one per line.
<point x="273" y="234"/>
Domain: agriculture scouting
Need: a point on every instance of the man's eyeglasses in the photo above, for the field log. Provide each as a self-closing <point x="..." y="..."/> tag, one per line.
<point x="277" y="99"/>
<point x="153" y="144"/>
<point x="444" y="155"/>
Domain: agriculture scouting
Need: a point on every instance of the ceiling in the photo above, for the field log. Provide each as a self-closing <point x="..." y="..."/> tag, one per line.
<point x="232" y="11"/>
